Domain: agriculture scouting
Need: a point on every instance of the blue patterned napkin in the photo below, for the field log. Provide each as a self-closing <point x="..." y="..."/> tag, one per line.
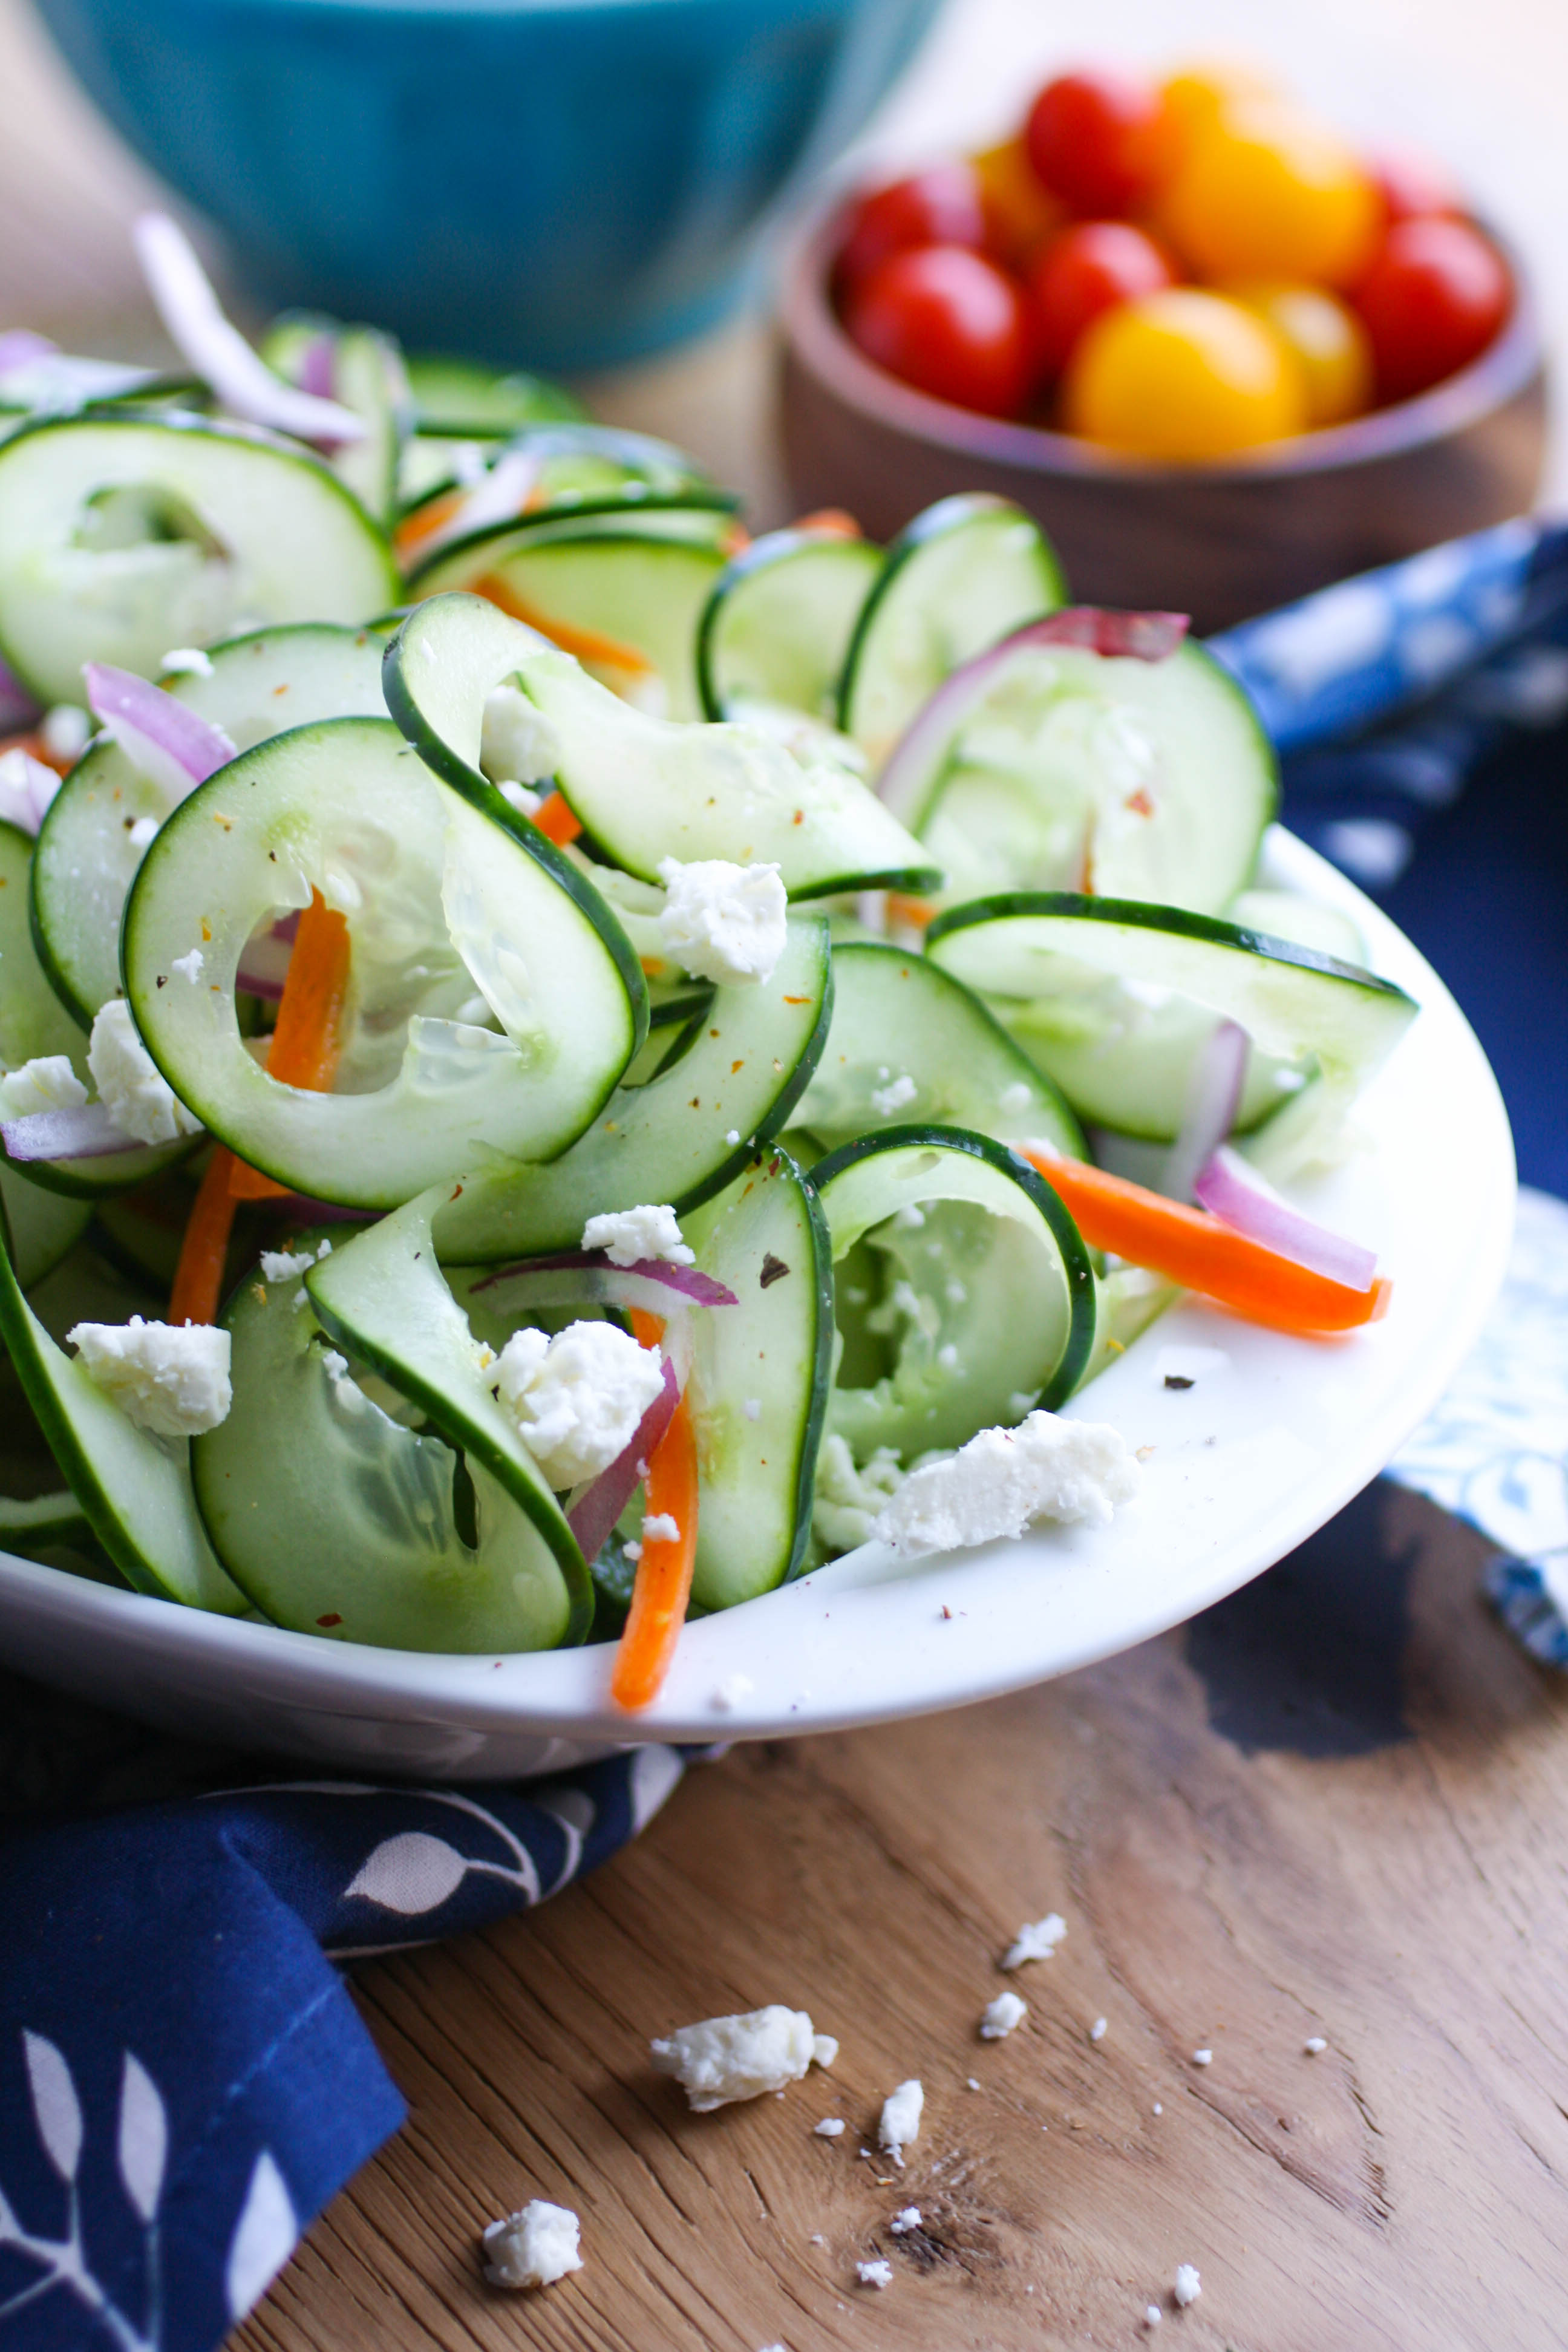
<point x="183" y="2080"/>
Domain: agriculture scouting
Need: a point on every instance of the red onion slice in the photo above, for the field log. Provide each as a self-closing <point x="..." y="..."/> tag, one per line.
<point x="17" y="708"/>
<point x="264" y="966"/>
<point x="216" y="349"/>
<point x="602" y="1501"/>
<point x="1214" y="1096"/>
<point x="644" y="1285"/>
<point x="318" y="369"/>
<point x="87" y="1132"/>
<point x="26" y="788"/>
<point x="160" y="736"/>
<point x="914" y="759"/>
<point x="19" y="347"/>
<point x="1233" y="1191"/>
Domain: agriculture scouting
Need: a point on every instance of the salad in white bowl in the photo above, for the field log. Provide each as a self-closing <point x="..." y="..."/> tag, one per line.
<point x="562" y="1068"/>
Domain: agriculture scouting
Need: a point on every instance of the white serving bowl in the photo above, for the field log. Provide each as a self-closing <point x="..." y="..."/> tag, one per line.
<point x="1268" y="1443"/>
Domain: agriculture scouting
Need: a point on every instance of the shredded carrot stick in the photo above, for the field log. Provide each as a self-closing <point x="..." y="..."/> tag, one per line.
<point x="737" y="538"/>
<point x="1188" y="1246"/>
<point x="36" y="748"/>
<point x="915" y="911"/>
<point x="555" y="821"/>
<point x="425" y="521"/>
<point x="829" y="522"/>
<point x="586" y="644"/>
<point x="308" y="1037"/>
<point x="663" y="1585"/>
<point x="198" y="1290"/>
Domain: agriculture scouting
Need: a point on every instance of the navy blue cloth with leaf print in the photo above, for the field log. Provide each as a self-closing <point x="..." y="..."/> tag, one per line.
<point x="183" y="2079"/>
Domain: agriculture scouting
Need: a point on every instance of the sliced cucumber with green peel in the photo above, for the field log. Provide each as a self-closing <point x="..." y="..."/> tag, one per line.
<point x="459" y="396"/>
<point x="1297" y="1006"/>
<point x="366" y="376"/>
<point x="963" y="574"/>
<point x="41" y="1521"/>
<point x="909" y="1044"/>
<point x="726" y="1089"/>
<point x="337" y="1520"/>
<point x="629" y="601"/>
<point x="134" y="1489"/>
<point x="760" y="1379"/>
<point x="1048" y="766"/>
<point x="644" y="788"/>
<point x="91" y="841"/>
<point x="964" y="1294"/>
<point x="121" y="535"/>
<point x="778" y="623"/>
<point x="383" y="1297"/>
<point x="44" y="1224"/>
<point x="457" y="915"/>
<point x="1125" y="1056"/>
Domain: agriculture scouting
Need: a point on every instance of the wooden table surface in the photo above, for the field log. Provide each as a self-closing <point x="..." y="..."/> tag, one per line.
<point x="1335" y="1806"/>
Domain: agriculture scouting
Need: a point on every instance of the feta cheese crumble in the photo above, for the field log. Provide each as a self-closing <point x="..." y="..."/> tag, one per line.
<point x="902" y="2223"/>
<point x="734" y="1690"/>
<point x="1001" y="2015"/>
<point x="185" y="661"/>
<point x="142" y="832"/>
<point x="721" y="922"/>
<point x="629" y="1235"/>
<point x="824" y="2049"/>
<point x="1037" y="1941"/>
<point x="727" y="2058"/>
<point x="522" y="797"/>
<point x="900" y="2125"/>
<point x="896" y="1096"/>
<point x="752" y="1407"/>
<point x="1097" y="2030"/>
<point x="533" y="2248"/>
<point x="1188" y="2286"/>
<point x="189" y="967"/>
<point x="1015" y="1097"/>
<point x="874" y="2274"/>
<point x="830" y="2127"/>
<point x="518" y="744"/>
<point x="1071" y="1471"/>
<point x="45" y="1083"/>
<point x="1202" y="2057"/>
<point x="131" y="1087"/>
<point x="281" y="1266"/>
<point x="1315" y="2046"/>
<point x="171" y="1378"/>
<point x="577" y="1398"/>
<point x="660" y="1527"/>
<point x="1152" y="2314"/>
<point x="66" y="730"/>
<point x="848" y="1501"/>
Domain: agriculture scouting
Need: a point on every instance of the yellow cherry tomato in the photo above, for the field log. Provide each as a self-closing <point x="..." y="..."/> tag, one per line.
<point x="1183" y="375"/>
<point x="1331" y="347"/>
<point x="1266" y="193"/>
<point x="1021" y="213"/>
<point x="1200" y="94"/>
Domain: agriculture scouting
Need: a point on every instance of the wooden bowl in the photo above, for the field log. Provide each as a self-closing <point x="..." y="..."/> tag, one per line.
<point x="1219" y="541"/>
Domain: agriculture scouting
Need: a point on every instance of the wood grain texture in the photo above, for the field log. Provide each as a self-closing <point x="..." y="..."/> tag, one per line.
<point x="1404" y="2190"/>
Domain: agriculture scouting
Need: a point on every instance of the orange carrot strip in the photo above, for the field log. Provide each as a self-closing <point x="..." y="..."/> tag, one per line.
<point x="737" y="538"/>
<point x="36" y="748"/>
<point x="829" y="522"/>
<point x="555" y="821"/>
<point x="425" y="521"/>
<point x="586" y="644"/>
<point x="307" y="1038"/>
<point x="1198" y="1251"/>
<point x="197" y="1292"/>
<point x="663" y="1584"/>
<point x="902" y="909"/>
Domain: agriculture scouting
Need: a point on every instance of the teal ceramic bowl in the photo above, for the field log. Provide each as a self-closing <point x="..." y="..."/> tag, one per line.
<point x="563" y="184"/>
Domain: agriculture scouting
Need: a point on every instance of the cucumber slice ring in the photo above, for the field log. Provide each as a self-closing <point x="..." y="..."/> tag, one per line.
<point x="778" y="623"/>
<point x="269" y="531"/>
<point x="943" y="1401"/>
<point x="425" y="1090"/>
<point x="967" y="571"/>
<point x="636" y="512"/>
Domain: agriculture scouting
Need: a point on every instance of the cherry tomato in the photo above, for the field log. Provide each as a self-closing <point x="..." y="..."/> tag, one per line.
<point x="1199" y="94"/>
<point x="1183" y="375"/>
<point x="1330" y="346"/>
<point x="942" y="206"/>
<point x="1432" y="301"/>
<point x="1102" y="141"/>
<point x="1413" y="186"/>
<point x="1088" y="269"/>
<point x="1266" y="193"/>
<point x="1021" y="215"/>
<point x="948" y="321"/>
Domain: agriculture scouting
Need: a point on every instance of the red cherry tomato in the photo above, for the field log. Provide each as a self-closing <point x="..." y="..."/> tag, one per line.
<point x="1413" y="186"/>
<point x="1084" y="271"/>
<point x="949" y="323"/>
<point x="1102" y="141"/>
<point x="1432" y="301"/>
<point x="941" y="206"/>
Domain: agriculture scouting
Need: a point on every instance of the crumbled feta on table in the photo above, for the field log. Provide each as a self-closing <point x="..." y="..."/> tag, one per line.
<point x="1036" y="1941"/>
<point x="902" y="2223"/>
<point x="874" y="2274"/>
<point x="577" y="1398"/>
<point x="1001" y="2015"/>
<point x="900" y="2125"/>
<point x="830" y="2127"/>
<point x="533" y="2248"/>
<point x="727" y="2058"/>
<point x="629" y="1235"/>
<point x="518" y="745"/>
<point x="825" y="2050"/>
<point x="1152" y="2314"/>
<point x="172" y="1377"/>
<point x="45" y="1083"/>
<point x="1098" y="2030"/>
<point x="1071" y="1471"/>
<point x="1202" y="2057"/>
<point x="1188" y="2286"/>
<point x="131" y="1087"/>
<point x="721" y="922"/>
